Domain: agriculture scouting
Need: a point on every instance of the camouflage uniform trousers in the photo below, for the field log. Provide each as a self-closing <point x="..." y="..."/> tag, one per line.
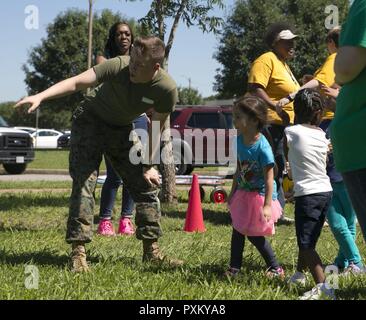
<point x="92" y="138"/>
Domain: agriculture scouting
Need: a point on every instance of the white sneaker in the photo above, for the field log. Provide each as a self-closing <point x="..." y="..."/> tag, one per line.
<point x="297" y="279"/>
<point x="353" y="270"/>
<point x="320" y="292"/>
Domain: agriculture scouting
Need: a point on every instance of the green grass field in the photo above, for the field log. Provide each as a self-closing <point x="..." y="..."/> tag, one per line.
<point x="59" y="160"/>
<point x="32" y="231"/>
<point x="53" y="160"/>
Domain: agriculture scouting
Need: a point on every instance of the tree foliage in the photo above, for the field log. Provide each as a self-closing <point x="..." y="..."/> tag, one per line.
<point x="242" y="42"/>
<point x="189" y="96"/>
<point x="63" y="54"/>
<point x="6" y="111"/>
<point x="190" y="12"/>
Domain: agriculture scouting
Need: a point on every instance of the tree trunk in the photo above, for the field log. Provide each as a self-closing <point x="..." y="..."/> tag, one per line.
<point x="167" y="169"/>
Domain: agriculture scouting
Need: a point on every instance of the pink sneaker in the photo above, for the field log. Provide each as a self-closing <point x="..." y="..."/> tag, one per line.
<point x="126" y="227"/>
<point x="275" y="273"/>
<point x="106" y="228"/>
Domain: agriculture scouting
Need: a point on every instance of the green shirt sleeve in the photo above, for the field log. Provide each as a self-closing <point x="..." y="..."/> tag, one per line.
<point x="111" y="68"/>
<point x="167" y="104"/>
<point x="354" y="30"/>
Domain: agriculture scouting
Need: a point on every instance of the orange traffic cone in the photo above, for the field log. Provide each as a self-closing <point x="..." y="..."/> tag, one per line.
<point x="194" y="218"/>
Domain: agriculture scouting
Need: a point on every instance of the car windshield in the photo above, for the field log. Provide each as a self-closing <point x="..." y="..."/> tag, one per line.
<point x="3" y="122"/>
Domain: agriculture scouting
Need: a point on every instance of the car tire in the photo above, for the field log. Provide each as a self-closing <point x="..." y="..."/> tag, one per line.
<point x="181" y="168"/>
<point x="189" y="170"/>
<point x="13" y="168"/>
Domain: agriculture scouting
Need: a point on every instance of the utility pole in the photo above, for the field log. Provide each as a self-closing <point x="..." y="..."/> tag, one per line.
<point x="37" y="125"/>
<point x="90" y="39"/>
<point x="189" y="81"/>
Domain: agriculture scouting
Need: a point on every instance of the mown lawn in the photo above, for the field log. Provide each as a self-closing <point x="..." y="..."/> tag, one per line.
<point x="59" y="160"/>
<point x="50" y="159"/>
<point x="53" y="160"/>
<point x="32" y="230"/>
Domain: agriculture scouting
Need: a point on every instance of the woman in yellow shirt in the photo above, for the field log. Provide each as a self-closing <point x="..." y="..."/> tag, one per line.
<point x="271" y="79"/>
<point x="324" y="77"/>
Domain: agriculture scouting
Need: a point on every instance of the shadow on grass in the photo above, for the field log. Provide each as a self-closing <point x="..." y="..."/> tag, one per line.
<point x="13" y="202"/>
<point x="214" y="217"/>
<point x="37" y="257"/>
<point x="41" y="258"/>
<point x="348" y="293"/>
<point x="215" y="272"/>
<point x="34" y="226"/>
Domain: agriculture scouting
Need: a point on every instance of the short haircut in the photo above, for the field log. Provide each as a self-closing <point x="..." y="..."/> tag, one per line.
<point x="308" y="103"/>
<point x="151" y="46"/>
<point x="273" y="31"/>
<point x="334" y="35"/>
<point x="254" y="107"/>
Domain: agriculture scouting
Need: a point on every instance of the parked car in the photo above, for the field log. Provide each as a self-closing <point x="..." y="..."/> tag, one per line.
<point x="63" y="142"/>
<point x="46" y="138"/>
<point x="16" y="148"/>
<point x="30" y="130"/>
<point x="196" y="120"/>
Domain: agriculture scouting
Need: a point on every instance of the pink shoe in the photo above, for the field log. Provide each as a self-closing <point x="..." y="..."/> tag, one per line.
<point x="126" y="227"/>
<point x="105" y="228"/>
<point x="275" y="273"/>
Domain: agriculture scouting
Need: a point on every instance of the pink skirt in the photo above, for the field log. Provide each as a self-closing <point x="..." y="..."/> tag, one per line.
<point x="246" y="210"/>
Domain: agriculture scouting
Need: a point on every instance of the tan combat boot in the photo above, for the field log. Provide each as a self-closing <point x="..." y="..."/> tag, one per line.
<point x="78" y="258"/>
<point x="152" y="254"/>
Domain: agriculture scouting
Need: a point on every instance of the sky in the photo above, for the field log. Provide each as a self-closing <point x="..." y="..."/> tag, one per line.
<point x="190" y="58"/>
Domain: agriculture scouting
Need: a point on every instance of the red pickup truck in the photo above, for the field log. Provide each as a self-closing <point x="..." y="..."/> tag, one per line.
<point x="202" y="137"/>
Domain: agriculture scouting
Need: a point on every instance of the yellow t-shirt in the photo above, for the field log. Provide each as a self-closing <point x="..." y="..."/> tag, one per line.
<point x="326" y="75"/>
<point x="278" y="81"/>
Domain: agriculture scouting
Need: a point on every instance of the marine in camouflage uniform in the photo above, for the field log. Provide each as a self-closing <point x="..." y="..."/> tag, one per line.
<point x="101" y="126"/>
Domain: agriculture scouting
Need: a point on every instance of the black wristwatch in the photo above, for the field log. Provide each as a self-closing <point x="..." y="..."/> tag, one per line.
<point x="290" y="98"/>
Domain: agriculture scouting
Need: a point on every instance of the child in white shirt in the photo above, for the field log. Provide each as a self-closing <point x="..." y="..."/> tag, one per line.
<point x="307" y="154"/>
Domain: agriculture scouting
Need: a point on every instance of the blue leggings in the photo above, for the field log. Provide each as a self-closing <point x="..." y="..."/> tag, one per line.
<point x="342" y="220"/>
<point x="113" y="182"/>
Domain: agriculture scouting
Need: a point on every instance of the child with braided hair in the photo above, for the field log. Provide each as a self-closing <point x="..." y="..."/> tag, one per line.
<point x="307" y="154"/>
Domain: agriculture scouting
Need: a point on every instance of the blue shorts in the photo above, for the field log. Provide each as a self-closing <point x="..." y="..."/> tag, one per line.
<point x="310" y="212"/>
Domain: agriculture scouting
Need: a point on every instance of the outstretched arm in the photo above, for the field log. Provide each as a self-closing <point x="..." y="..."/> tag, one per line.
<point x="66" y="87"/>
<point x="312" y="84"/>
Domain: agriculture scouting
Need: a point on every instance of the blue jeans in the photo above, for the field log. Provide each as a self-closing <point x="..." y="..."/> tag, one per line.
<point x="113" y="182"/>
<point x="356" y="185"/>
<point x="342" y="220"/>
